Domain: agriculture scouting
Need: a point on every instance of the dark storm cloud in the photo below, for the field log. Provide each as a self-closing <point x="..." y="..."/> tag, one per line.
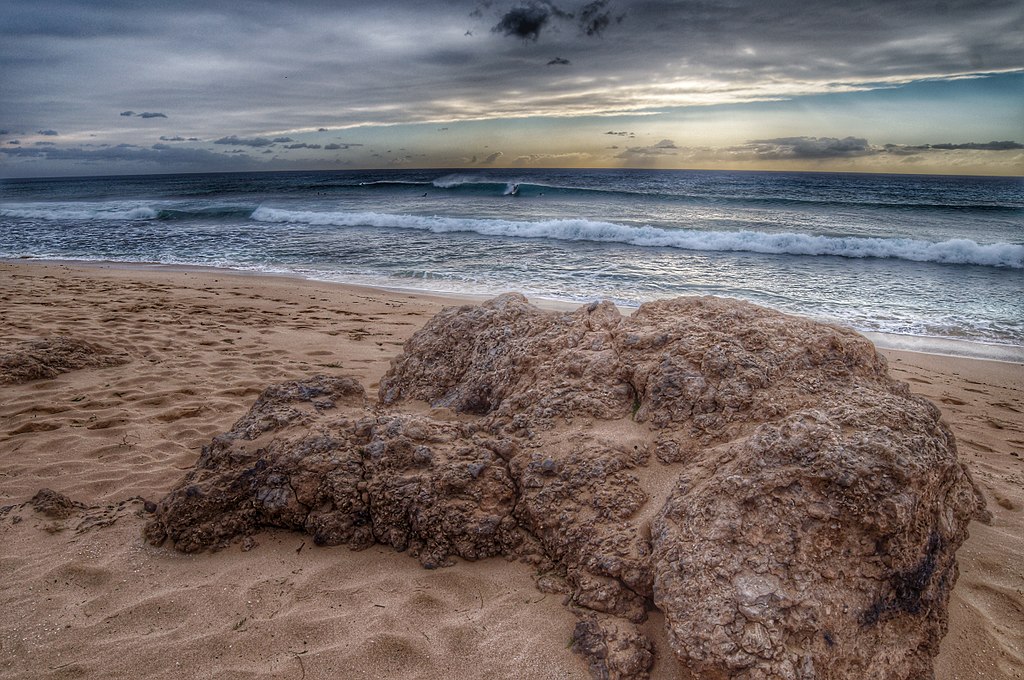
<point x="234" y="140"/>
<point x="526" y="21"/>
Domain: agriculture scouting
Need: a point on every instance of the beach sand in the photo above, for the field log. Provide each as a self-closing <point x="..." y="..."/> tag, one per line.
<point x="84" y="596"/>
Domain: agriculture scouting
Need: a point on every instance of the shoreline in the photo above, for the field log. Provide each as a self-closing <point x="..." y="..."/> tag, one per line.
<point x="919" y="344"/>
<point x="200" y="346"/>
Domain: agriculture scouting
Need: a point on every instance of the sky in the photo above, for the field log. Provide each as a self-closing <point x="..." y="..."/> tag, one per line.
<point x="118" y="87"/>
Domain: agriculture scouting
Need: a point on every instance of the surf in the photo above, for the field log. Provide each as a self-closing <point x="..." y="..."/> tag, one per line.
<point x="952" y="251"/>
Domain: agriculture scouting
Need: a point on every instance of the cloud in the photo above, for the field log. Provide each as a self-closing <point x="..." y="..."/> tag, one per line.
<point x="807" y="148"/>
<point x="283" y="140"/>
<point x="15" y="141"/>
<point x="491" y="158"/>
<point x="178" y="138"/>
<point x="983" y="146"/>
<point x="158" y="157"/>
<point x="334" y="147"/>
<point x="47" y="133"/>
<point x="665" y="56"/>
<point x="144" y="114"/>
<point x="303" y="145"/>
<point x="526" y="21"/>
<point x="4" y="132"/>
<point x="595" y="18"/>
<point x="665" y="147"/>
<point x="234" y="140"/>
<point x="621" y="133"/>
<point x="559" y="61"/>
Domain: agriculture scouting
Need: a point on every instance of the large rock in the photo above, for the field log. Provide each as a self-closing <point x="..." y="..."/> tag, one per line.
<point x="792" y="510"/>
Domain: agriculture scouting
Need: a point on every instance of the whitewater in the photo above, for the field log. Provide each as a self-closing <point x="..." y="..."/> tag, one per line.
<point x="925" y="258"/>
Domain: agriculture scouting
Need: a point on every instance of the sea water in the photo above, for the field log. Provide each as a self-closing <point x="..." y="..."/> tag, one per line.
<point x="927" y="261"/>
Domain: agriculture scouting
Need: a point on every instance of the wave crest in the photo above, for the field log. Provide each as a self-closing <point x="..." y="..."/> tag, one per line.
<point x="953" y="251"/>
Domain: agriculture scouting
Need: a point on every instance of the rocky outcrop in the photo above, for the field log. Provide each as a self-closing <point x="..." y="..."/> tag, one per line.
<point x="791" y="510"/>
<point x="49" y="357"/>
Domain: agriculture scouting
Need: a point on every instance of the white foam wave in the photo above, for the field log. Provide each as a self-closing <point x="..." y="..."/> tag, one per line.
<point x="953" y="251"/>
<point x="79" y="211"/>
<point x="451" y="181"/>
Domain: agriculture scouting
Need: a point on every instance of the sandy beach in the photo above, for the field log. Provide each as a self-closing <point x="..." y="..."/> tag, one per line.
<point x="84" y="596"/>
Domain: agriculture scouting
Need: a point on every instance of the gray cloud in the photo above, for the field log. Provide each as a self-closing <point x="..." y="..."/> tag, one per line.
<point x="832" y="148"/>
<point x="808" y="147"/>
<point x="595" y="18"/>
<point x="144" y="114"/>
<point x="526" y="21"/>
<point x="63" y="61"/>
<point x="155" y="158"/>
<point x="282" y="140"/>
<point x="303" y="145"/>
<point x="335" y="147"/>
<point x="983" y="146"/>
<point x="47" y="133"/>
<point x="178" y="138"/>
<point x="665" y="147"/>
<point x="491" y="158"/>
<point x="234" y="140"/>
<point x="559" y="61"/>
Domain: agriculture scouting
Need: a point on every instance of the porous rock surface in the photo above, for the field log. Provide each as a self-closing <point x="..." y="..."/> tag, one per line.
<point x="791" y="510"/>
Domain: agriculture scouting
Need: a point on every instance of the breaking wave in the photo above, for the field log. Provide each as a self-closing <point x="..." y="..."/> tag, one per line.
<point x="952" y="251"/>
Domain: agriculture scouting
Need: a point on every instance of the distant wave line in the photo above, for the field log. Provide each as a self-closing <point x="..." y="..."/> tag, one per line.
<point x="953" y="251"/>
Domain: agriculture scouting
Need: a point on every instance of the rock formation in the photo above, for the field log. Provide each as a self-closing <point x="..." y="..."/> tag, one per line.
<point x="792" y="511"/>
<point x="49" y="357"/>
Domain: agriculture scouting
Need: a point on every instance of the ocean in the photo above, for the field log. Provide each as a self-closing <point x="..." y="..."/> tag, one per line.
<point x="925" y="262"/>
